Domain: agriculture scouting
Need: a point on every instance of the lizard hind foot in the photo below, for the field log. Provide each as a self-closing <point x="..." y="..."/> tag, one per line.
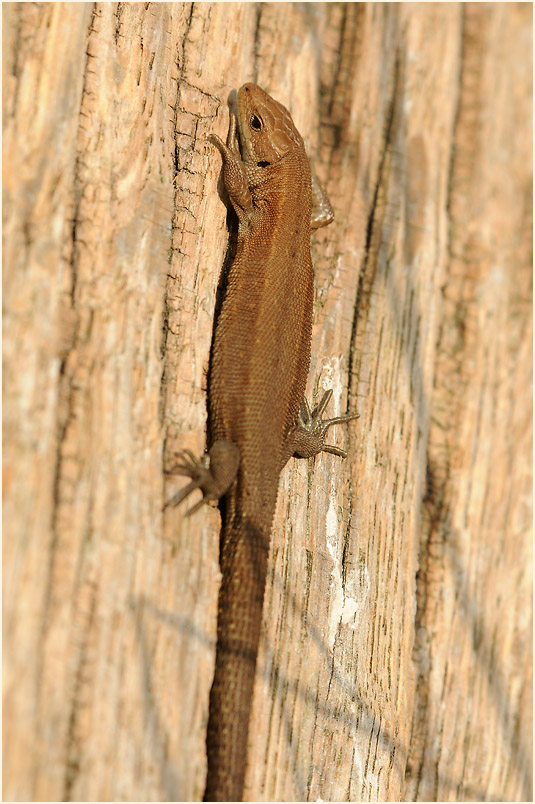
<point x="213" y="473"/>
<point x="309" y="433"/>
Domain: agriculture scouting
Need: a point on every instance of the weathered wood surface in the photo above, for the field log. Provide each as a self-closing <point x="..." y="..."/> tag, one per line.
<point x="396" y="658"/>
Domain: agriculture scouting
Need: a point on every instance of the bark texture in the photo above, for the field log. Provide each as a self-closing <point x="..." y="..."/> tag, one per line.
<point x="396" y="654"/>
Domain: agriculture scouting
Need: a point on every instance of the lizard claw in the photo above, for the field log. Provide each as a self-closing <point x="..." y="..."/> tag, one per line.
<point x="198" y="469"/>
<point x="188" y="464"/>
<point x="213" y="473"/>
<point x="312" y="428"/>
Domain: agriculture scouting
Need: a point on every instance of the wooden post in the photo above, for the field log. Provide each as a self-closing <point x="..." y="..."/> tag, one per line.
<point x="395" y="660"/>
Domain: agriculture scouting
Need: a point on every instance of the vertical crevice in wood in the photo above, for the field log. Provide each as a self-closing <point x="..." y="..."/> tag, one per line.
<point x="375" y="220"/>
<point x="65" y="417"/>
<point x="64" y="381"/>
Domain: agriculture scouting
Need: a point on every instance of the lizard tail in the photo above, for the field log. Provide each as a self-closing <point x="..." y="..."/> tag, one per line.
<point x="244" y="555"/>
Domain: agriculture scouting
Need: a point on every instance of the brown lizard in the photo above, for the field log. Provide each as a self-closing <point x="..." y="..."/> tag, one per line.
<point x="258" y="419"/>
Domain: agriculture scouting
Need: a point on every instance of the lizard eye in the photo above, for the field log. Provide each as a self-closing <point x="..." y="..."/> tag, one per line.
<point x="262" y="164"/>
<point x="256" y="122"/>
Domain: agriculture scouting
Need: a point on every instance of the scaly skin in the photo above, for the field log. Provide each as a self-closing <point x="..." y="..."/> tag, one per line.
<point x="259" y="367"/>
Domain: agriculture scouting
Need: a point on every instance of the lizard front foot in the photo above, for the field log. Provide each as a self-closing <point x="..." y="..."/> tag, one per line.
<point x="307" y="438"/>
<point x="213" y="473"/>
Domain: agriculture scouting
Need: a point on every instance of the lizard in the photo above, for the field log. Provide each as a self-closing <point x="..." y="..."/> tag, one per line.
<point x="258" y="416"/>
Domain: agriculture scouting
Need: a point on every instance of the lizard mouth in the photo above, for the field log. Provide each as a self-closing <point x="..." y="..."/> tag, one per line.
<point x="251" y="111"/>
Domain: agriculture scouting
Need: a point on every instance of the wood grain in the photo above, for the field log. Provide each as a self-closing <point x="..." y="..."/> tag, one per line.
<point x="396" y="652"/>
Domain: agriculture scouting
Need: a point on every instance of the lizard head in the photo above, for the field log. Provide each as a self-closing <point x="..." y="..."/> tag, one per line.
<point x="266" y="129"/>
